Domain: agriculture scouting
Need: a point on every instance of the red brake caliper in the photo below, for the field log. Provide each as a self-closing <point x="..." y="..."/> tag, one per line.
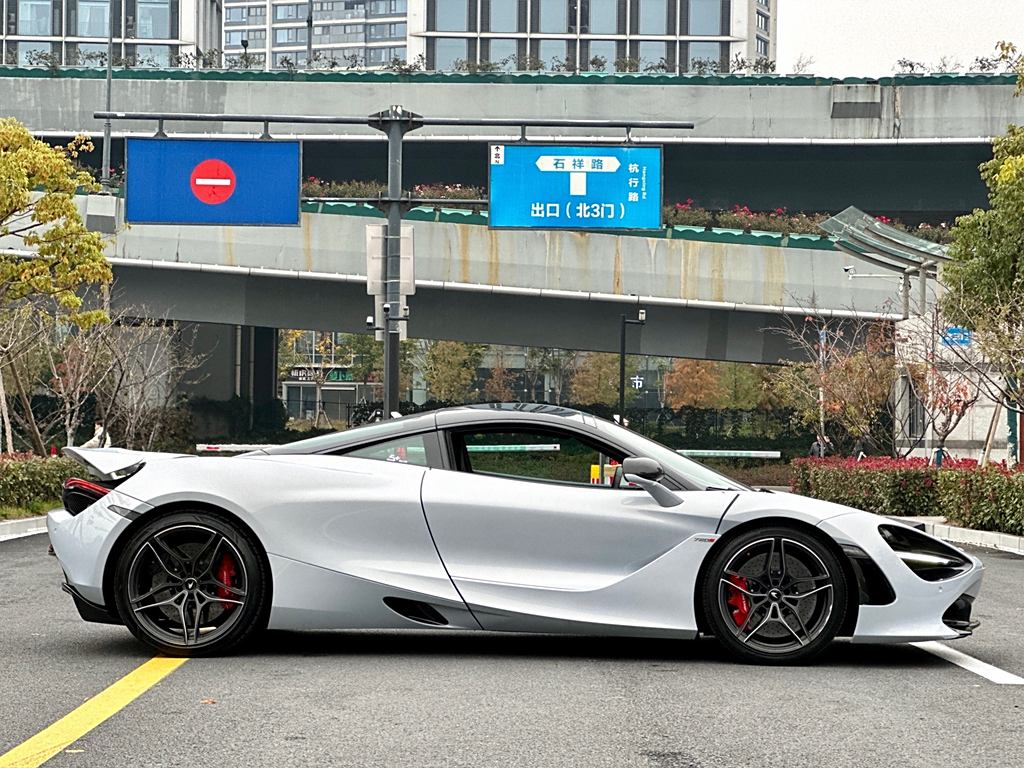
<point x="226" y="576"/>
<point x="737" y="600"/>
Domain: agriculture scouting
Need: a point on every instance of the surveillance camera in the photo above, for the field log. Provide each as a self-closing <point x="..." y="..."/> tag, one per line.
<point x="642" y="315"/>
<point x="369" y="321"/>
<point x="405" y="310"/>
<point x="387" y="309"/>
<point x="849" y="269"/>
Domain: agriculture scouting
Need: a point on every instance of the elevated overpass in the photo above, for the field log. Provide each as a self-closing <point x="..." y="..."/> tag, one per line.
<point x="708" y="294"/>
<point x="907" y="145"/>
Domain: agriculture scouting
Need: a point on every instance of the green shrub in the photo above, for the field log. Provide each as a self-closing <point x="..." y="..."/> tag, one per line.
<point x="28" y="480"/>
<point x="987" y="498"/>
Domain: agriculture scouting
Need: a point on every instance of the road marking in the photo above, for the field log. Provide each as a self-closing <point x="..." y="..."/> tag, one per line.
<point x="73" y="726"/>
<point x="971" y="664"/>
<point x="213" y="182"/>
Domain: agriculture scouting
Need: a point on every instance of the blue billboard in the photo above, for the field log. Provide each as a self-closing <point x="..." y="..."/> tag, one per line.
<point x="212" y="181"/>
<point x="563" y="187"/>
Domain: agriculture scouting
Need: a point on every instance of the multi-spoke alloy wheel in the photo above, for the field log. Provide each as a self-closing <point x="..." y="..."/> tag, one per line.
<point x="775" y="595"/>
<point x="191" y="584"/>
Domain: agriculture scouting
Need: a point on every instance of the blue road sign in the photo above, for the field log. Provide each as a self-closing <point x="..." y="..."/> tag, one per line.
<point x="955" y="336"/>
<point x="217" y="181"/>
<point x="560" y="187"/>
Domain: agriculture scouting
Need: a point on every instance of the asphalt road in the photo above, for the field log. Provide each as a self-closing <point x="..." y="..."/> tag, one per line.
<point x="474" y="700"/>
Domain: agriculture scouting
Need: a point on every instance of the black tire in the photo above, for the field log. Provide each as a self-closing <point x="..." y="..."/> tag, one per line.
<point x="775" y="595"/>
<point x="192" y="584"/>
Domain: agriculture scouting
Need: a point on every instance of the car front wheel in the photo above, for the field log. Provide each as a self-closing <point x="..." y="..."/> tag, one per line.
<point x="191" y="584"/>
<point x="775" y="596"/>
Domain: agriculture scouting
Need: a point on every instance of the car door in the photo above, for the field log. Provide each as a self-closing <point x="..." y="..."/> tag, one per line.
<point x="532" y="545"/>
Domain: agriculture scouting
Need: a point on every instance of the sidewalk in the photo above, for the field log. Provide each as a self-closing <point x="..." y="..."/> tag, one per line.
<point x="15" y="529"/>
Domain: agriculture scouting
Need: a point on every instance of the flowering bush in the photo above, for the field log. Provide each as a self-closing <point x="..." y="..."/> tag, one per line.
<point x="25" y="478"/>
<point x="987" y="498"/>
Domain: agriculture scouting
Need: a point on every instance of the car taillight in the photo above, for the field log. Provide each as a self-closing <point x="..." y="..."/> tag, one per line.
<point x="79" y="494"/>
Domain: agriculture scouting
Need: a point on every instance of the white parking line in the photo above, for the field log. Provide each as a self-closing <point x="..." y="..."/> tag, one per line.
<point x="971" y="664"/>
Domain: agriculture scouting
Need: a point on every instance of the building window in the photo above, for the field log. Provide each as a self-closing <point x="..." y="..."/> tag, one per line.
<point x="452" y="16"/>
<point x="388" y="8"/>
<point x="448" y="51"/>
<point x="762" y="22"/>
<point x="289" y="12"/>
<point x="504" y="15"/>
<point x="154" y="19"/>
<point x="235" y="15"/>
<point x="604" y="18"/>
<point x="554" y="16"/>
<point x="602" y="55"/>
<point x="651" y="54"/>
<point x="386" y="32"/>
<point x="503" y="52"/>
<point x="762" y="47"/>
<point x="552" y="53"/>
<point x="89" y="54"/>
<point x="93" y="18"/>
<point x="32" y="54"/>
<point x="705" y="17"/>
<point x="153" y="56"/>
<point x="34" y="18"/>
<point x="338" y="10"/>
<point x="290" y="36"/>
<point x="654" y="17"/>
<point x="289" y="60"/>
<point x="704" y="57"/>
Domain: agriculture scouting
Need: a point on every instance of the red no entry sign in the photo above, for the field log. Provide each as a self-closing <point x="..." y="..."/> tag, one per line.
<point x="213" y="181"/>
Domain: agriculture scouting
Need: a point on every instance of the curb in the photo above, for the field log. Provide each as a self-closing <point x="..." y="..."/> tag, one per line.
<point x="16" y="529"/>
<point x="990" y="539"/>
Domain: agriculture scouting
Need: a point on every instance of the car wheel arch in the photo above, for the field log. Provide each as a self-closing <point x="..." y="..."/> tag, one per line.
<point x="853" y="597"/>
<point x="169" y="508"/>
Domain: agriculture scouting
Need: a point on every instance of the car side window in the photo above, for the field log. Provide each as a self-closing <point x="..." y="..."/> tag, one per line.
<point x="549" y="456"/>
<point x="408" y="449"/>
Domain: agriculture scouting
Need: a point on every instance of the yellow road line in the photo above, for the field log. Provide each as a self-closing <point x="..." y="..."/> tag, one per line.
<point x="73" y="726"/>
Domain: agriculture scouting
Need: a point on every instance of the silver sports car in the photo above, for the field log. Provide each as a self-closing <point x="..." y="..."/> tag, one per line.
<point x="518" y="518"/>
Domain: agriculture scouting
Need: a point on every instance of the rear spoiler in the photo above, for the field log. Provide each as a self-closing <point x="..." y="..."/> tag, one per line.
<point x="116" y="464"/>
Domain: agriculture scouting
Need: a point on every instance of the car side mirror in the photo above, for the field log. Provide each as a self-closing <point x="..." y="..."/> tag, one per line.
<point x="646" y="473"/>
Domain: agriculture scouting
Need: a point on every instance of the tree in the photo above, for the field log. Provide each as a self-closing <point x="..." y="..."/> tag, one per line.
<point x="59" y="256"/>
<point x="942" y="377"/>
<point x="984" y="280"/>
<point x="596" y="379"/>
<point x="498" y="387"/>
<point x="695" y="383"/>
<point x="450" y="370"/>
<point x="557" y="366"/>
<point x="846" y="380"/>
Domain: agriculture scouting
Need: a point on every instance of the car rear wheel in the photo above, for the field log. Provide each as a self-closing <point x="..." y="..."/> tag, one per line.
<point x="775" y="595"/>
<point x="192" y="584"/>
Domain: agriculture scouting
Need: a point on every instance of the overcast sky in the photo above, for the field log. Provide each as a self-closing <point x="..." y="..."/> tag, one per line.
<point x="866" y="37"/>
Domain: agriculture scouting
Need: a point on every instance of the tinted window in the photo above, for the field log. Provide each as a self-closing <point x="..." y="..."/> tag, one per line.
<point x="404" y="450"/>
<point x="552" y="456"/>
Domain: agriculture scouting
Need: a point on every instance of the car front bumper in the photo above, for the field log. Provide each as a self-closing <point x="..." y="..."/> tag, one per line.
<point x="918" y="610"/>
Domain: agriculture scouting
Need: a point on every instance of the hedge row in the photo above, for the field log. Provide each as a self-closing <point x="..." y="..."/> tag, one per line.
<point x="25" y="479"/>
<point x="989" y="498"/>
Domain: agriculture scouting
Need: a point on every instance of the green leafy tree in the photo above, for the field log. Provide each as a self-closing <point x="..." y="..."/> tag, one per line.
<point x="596" y="379"/>
<point x="984" y="281"/>
<point x="450" y="370"/>
<point x="55" y="256"/>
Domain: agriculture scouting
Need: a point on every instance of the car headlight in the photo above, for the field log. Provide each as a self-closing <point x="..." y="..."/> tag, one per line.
<point x="929" y="559"/>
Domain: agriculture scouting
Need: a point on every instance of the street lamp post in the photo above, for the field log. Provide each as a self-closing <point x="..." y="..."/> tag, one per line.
<point x="105" y="171"/>
<point x="641" y="319"/>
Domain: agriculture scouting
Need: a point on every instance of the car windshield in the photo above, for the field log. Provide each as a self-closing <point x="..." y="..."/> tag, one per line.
<point x="695" y="472"/>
